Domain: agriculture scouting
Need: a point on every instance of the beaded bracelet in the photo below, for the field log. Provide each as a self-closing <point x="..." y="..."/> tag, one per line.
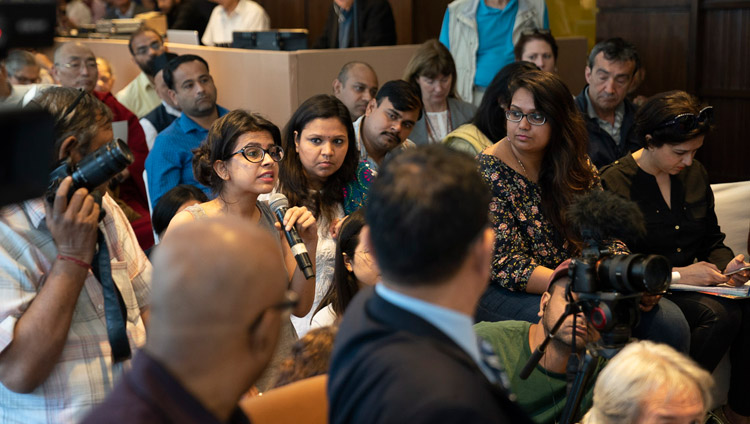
<point x="75" y="261"/>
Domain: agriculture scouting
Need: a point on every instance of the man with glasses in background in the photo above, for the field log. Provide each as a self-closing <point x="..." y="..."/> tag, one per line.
<point x="201" y="357"/>
<point x="140" y="94"/>
<point x="603" y="103"/>
<point x="75" y="67"/>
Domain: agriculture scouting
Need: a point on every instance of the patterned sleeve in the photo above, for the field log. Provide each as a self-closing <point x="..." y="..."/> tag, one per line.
<point x="513" y="262"/>
<point x="355" y="193"/>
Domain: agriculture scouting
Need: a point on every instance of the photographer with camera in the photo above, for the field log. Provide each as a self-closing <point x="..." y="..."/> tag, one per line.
<point x="535" y="174"/>
<point x="544" y="393"/>
<point x="67" y="273"/>
<point x="673" y="192"/>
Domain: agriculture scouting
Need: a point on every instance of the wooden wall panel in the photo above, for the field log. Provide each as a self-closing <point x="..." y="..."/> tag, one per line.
<point x="722" y="60"/>
<point x="427" y="19"/>
<point x="661" y="40"/>
<point x="725" y="152"/>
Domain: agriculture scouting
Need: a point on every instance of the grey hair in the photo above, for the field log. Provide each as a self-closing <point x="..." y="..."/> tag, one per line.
<point x="19" y="59"/>
<point x="634" y="374"/>
<point x="84" y="121"/>
<point x="616" y="49"/>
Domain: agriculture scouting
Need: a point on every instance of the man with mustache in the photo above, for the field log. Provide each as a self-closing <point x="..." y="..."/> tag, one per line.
<point x="140" y="95"/>
<point x="388" y="120"/>
<point x="544" y="393"/>
<point x="603" y="103"/>
<point x="192" y="88"/>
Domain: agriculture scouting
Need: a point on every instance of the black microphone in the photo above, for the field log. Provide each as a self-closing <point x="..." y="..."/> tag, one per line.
<point x="600" y="215"/>
<point x="279" y="205"/>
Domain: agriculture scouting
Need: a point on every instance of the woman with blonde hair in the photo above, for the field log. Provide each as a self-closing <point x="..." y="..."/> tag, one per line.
<point x="433" y="73"/>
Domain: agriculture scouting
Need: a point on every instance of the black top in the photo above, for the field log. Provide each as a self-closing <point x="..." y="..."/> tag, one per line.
<point x="160" y="118"/>
<point x="684" y="233"/>
<point x="602" y="147"/>
<point x="148" y="393"/>
<point x="389" y="365"/>
<point x="187" y="15"/>
<point x="375" y="26"/>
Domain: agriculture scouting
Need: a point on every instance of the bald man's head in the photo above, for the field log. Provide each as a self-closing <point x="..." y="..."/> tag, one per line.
<point x="215" y="282"/>
<point x="75" y="66"/>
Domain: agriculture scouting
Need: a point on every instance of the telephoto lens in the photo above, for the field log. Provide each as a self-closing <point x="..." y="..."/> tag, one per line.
<point x="635" y="273"/>
<point x="101" y="165"/>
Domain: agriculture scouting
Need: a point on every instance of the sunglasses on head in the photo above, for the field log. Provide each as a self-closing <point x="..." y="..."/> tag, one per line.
<point x="687" y="122"/>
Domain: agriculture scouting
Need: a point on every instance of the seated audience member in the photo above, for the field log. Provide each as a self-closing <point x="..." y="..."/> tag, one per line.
<point x="140" y="95"/>
<point x="538" y="47"/>
<point x="309" y="356"/>
<point x="371" y="24"/>
<point x="184" y="14"/>
<point x="192" y="88"/>
<point x="106" y="78"/>
<point x="480" y="35"/>
<point x="544" y="394"/>
<point x="239" y="160"/>
<point x="387" y="122"/>
<point x="75" y="66"/>
<point x="173" y="202"/>
<point x="406" y="350"/>
<point x="355" y="86"/>
<point x="56" y="361"/>
<point x="432" y="72"/>
<point x="22" y="68"/>
<point x="163" y="115"/>
<point x="79" y="12"/>
<point x="535" y="174"/>
<point x="124" y="9"/>
<point x="650" y="383"/>
<point x="673" y="192"/>
<point x="604" y="104"/>
<point x="321" y="171"/>
<point x="354" y="268"/>
<point x="486" y="129"/>
<point x="202" y="356"/>
<point x="234" y="15"/>
<point x="15" y="96"/>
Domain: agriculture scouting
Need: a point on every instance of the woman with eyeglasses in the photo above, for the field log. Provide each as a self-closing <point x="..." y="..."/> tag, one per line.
<point x="321" y="171"/>
<point x="354" y="268"/>
<point x="535" y="174"/>
<point x="539" y="47"/>
<point x="239" y="161"/>
<point x="672" y="190"/>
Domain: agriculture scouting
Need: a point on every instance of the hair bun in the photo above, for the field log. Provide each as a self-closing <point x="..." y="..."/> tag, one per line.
<point x="203" y="169"/>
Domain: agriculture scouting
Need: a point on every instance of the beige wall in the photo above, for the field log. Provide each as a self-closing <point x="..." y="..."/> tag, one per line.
<point x="275" y="83"/>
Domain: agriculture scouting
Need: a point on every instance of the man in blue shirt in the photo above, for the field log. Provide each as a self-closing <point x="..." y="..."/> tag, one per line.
<point x="480" y="35"/>
<point x="192" y="88"/>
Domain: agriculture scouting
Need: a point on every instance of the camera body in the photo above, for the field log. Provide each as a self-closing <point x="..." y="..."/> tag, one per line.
<point x="95" y="169"/>
<point x="609" y="288"/>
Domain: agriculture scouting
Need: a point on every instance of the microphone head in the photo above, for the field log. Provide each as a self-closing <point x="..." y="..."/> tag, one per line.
<point x="277" y="201"/>
<point x="602" y="215"/>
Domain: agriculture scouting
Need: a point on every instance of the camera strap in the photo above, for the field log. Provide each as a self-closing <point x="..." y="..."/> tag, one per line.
<point x="114" y="307"/>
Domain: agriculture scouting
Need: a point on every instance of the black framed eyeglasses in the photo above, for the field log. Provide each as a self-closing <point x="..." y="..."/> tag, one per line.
<point x="687" y="122"/>
<point x="256" y="154"/>
<point x="534" y="118"/>
<point x="534" y="31"/>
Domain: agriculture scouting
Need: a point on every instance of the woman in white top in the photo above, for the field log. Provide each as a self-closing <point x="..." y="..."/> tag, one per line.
<point x="239" y="161"/>
<point x="320" y="160"/>
<point x="354" y="268"/>
<point x="433" y="73"/>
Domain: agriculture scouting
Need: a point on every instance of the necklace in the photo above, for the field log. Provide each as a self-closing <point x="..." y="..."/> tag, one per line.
<point x="526" y="174"/>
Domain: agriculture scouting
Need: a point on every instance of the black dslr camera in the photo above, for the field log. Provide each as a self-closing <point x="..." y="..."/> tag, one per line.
<point x="93" y="170"/>
<point x="610" y="286"/>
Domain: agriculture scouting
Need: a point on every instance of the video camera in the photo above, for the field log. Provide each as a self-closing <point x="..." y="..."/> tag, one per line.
<point x="609" y="286"/>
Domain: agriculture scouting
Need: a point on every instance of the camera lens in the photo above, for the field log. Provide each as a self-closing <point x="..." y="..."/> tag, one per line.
<point x="103" y="164"/>
<point x="634" y="273"/>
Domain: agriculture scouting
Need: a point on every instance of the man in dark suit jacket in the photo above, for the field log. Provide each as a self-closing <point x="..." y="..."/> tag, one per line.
<point x="358" y="23"/>
<point x="406" y="350"/>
